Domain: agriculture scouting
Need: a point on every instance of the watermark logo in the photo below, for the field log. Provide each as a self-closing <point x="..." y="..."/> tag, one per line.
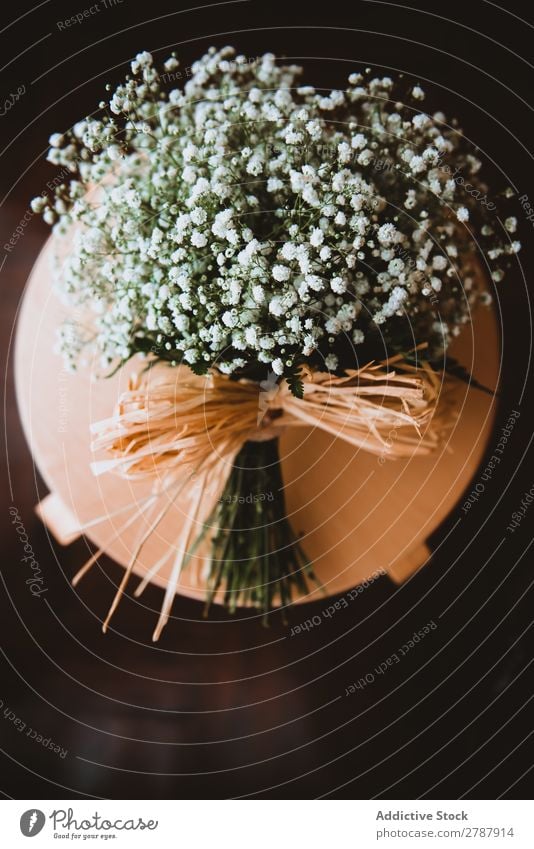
<point x="11" y="99"/>
<point x="36" y="579"/>
<point x="32" y="822"/>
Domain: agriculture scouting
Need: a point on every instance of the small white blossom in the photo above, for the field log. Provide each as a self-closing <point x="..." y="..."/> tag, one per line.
<point x="396" y="266"/>
<point x="338" y="285"/>
<point x="199" y="240"/>
<point x="331" y="362"/>
<point x="229" y="318"/>
<point x="281" y="273"/>
<point x="289" y="251"/>
<point x="387" y="234"/>
<point x="316" y="237"/>
<point x="258" y="293"/>
<point x="198" y="215"/>
<point x="251" y="220"/>
<point x="439" y="263"/>
<point x="511" y="224"/>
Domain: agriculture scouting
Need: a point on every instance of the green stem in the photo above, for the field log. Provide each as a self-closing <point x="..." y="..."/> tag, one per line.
<point x="255" y="554"/>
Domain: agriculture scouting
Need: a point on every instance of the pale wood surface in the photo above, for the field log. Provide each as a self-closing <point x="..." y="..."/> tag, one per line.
<point x="357" y="515"/>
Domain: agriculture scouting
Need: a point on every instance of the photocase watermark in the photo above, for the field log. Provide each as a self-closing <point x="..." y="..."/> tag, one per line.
<point x="333" y="608"/>
<point x="11" y="100"/>
<point x="22" y="728"/>
<point x="370" y="677"/>
<point x="36" y="580"/>
<point x="63" y="404"/>
<point x="231" y="65"/>
<point x="20" y="229"/>
<point x="365" y="158"/>
<point x="62" y="175"/>
<point x="368" y="159"/>
<point x="32" y="822"/>
<point x="430" y="286"/>
<point x="466" y="186"/>
<point x="70" y="333"/>
<point x="89" y="12"/>
<point x="251" y="498"/>
<point x="519" y="514"/>
<point x="66" y="820"/>
<point x="388" y="442"/>
<point x="69" y="826"/>
<point x="527" y="208"/>
<point x="486" y="476"/>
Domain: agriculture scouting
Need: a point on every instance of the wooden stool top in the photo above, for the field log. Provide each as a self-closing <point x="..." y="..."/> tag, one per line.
<point x="358" y="515"/>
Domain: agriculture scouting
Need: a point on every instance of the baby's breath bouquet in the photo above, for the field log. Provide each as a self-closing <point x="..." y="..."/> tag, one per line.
<point x="259" y="230"/>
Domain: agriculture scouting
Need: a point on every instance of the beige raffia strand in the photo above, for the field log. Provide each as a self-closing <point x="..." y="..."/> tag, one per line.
<point x="174" y="427"/>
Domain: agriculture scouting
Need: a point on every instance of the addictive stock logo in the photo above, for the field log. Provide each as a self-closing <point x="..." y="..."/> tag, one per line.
<point x="31" y="822"/>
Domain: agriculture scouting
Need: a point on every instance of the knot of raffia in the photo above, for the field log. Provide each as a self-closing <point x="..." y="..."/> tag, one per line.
<point x="174" y="422"/>
<point x="181" y="430"/>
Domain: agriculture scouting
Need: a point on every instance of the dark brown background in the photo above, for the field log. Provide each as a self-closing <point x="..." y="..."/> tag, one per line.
<point x="225" y="708"/>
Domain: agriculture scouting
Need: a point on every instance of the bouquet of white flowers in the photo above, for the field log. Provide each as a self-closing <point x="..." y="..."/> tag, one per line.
<point x="268" y="236"/>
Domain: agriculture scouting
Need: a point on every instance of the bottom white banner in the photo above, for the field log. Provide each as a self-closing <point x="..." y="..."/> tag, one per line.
<point x="236" y="824"/>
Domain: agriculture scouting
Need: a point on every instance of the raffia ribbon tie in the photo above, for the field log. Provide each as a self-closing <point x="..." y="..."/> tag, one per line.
<point x="182" y="431"/>
<point x="176" y="421"/>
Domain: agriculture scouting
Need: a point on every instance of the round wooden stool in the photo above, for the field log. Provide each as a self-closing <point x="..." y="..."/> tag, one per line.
<point x="358" y="514"/>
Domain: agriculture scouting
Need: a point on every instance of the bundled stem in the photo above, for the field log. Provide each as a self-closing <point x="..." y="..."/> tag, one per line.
<point x="180" y="427"/>
<point x="256" y="558"/>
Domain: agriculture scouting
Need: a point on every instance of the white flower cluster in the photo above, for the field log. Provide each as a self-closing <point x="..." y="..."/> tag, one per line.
<point x="245" y="220"/>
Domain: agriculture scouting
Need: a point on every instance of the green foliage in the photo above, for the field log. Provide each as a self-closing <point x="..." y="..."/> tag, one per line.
<point x="294" y="379"/>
